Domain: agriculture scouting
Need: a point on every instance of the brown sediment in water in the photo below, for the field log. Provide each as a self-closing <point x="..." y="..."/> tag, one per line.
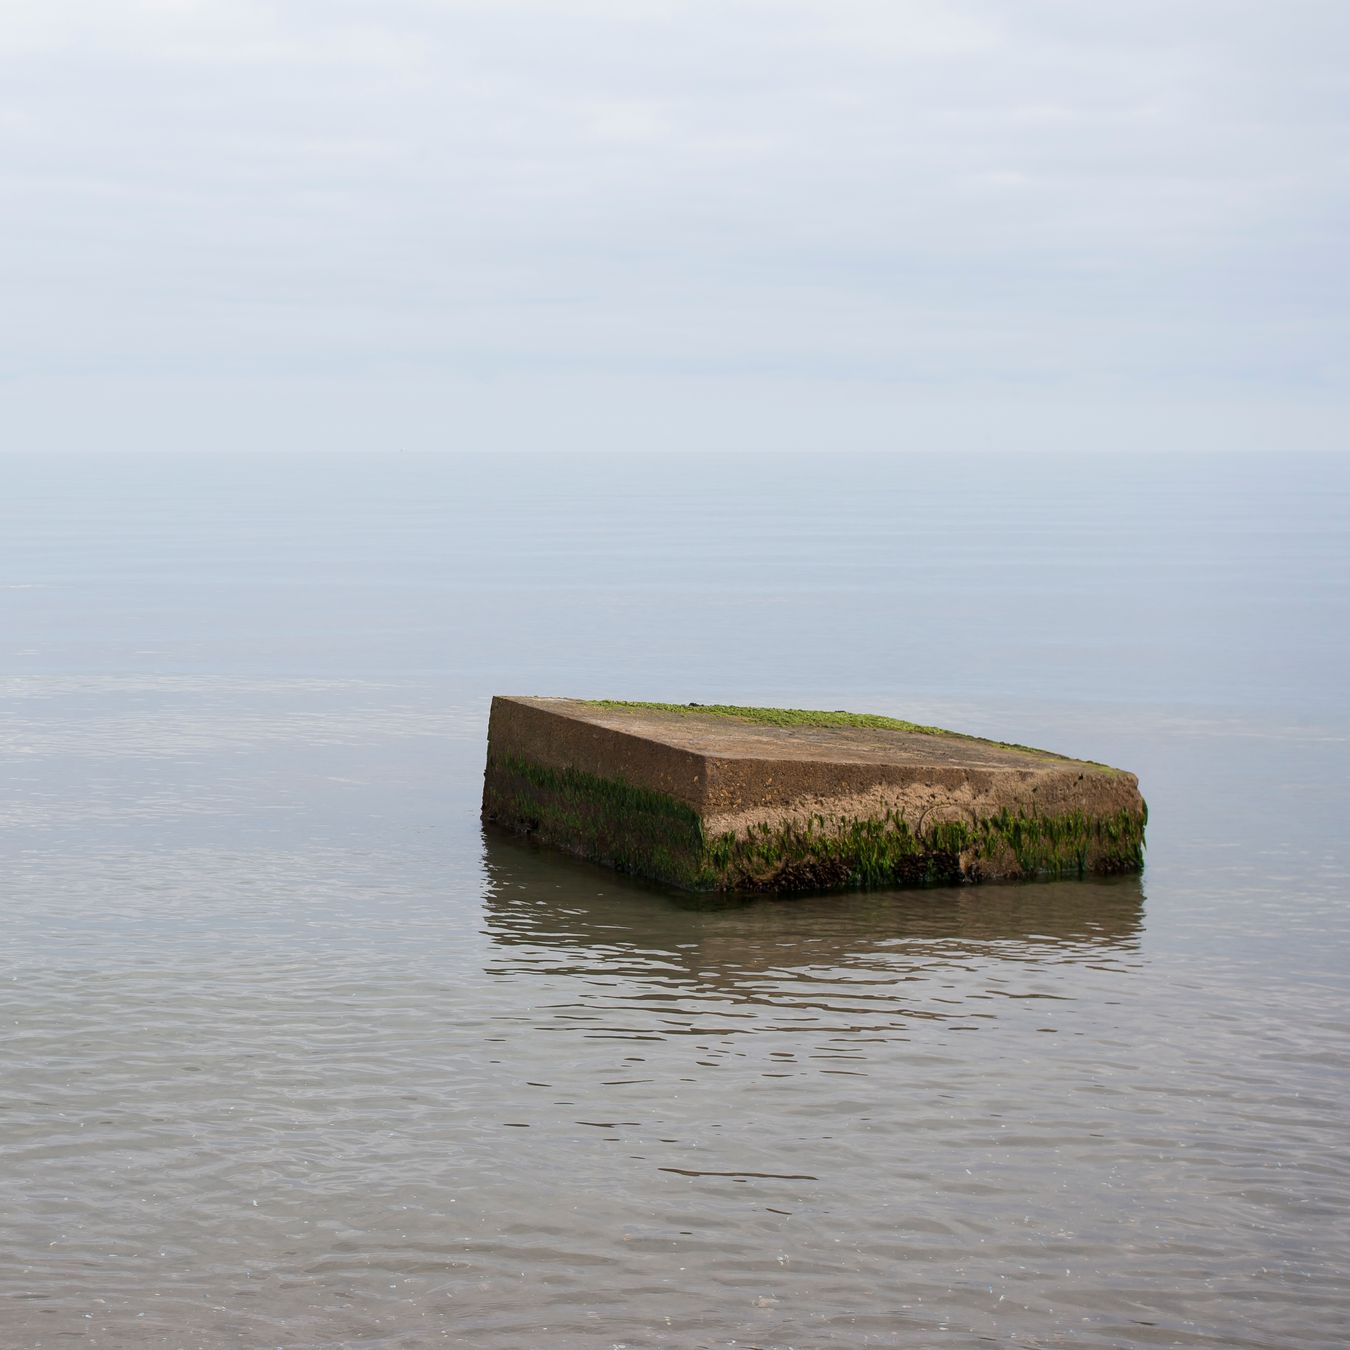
<point x="762" y="799"/>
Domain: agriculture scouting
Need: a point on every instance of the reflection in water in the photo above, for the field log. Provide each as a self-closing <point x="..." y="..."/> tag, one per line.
<point x="889" y="955"/>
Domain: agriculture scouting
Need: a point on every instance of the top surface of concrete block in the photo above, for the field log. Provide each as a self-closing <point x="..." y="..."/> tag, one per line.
<point x="729" y="737"/>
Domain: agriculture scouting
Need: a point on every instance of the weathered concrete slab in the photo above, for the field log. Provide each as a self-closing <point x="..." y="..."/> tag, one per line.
<point x="771" y="799"/>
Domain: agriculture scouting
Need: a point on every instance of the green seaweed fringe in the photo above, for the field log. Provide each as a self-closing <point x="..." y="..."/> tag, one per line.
<point x="650" y="834"/>
<point x="629" y="828"/>
<point x="827" y="851"/>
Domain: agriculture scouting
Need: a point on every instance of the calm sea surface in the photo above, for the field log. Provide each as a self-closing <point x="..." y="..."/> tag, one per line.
<point x="295" y="1055"/>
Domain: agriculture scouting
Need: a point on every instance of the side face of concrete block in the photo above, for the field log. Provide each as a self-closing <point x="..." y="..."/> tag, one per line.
<point x="603" y="794"/>
<point x="711" y="802"/>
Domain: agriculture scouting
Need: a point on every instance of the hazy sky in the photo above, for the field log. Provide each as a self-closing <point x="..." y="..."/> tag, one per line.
<point x="763" y="224"/>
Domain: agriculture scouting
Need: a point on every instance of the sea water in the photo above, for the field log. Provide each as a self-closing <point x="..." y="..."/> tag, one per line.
<point x="296" y="1054"/>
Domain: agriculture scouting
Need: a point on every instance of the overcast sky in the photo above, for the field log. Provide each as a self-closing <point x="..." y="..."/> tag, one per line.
<point x="716" y="224"/>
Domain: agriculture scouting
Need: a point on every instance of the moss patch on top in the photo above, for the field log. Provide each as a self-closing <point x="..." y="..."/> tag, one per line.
<point x="776" y="717"/>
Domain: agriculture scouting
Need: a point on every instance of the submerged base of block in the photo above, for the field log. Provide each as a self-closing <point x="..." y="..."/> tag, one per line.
<point x="765" y="800"/>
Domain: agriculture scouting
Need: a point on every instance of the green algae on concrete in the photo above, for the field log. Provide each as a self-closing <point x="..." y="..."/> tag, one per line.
<point x="774" y="717"/>
<point x="723" y="799"/>
<point x="631" y="829"/>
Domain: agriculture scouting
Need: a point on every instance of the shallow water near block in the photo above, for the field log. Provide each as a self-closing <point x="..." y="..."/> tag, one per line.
<point x="296" y="1053"/>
